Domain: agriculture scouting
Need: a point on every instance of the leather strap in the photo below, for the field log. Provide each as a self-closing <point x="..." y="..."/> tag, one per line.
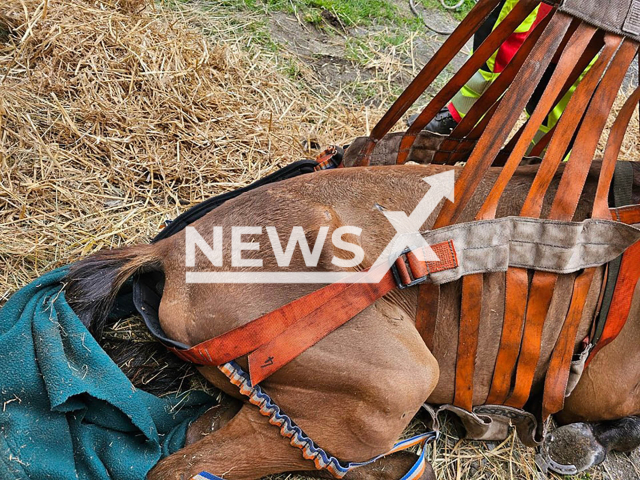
<point x="516" y="292"/>
<point x="427" y="75"/>
<point x="519" y="13"/>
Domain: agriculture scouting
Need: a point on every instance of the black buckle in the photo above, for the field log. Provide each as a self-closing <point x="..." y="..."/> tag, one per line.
<point x="396" y="274"/>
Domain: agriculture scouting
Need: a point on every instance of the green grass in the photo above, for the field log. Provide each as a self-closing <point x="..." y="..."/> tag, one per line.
<point x="348" y="12"/>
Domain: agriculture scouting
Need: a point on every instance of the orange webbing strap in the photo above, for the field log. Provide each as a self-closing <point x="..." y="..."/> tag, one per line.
<point x="427" y="75"/>
<point x="479" y="162"/>
<point x="563" y="208"/>
<point x="517" y="280"/>
<point x="589" y="54"/>
<point x="503" y="120"/>
<point x="410" y="269"/>
<point x="558" y="373"/>
<point x="485" y="105"/>
<point x="512" y="331"/>
<point x="629" y="214"/>
<point x="427" y="312"/>
<point x="279" y="336"/>
<point x="542" y="143"/>
<point x="622" y="298"/>
<point x="312" y="328"/>
<point x="246" y="338"/>
<point x="519" y="13"/>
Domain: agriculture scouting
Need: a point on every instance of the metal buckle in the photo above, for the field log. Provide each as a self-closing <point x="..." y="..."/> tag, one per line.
<point x="396" y="274"/>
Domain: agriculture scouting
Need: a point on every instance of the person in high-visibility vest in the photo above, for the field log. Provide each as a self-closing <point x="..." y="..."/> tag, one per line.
<point x="449" y="117"/>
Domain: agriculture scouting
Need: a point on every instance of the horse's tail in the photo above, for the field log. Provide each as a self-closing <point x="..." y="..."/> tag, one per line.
<point x="92" y="284"/>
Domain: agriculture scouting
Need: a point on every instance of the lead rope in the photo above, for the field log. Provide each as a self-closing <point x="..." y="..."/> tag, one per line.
<point x="310" y="451"/>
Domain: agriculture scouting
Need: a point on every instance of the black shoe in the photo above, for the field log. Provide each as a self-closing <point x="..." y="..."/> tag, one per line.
<point x="442" y="123"/>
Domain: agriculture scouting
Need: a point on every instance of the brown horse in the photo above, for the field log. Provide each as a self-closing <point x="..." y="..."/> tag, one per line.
<point x="356" y="390"/>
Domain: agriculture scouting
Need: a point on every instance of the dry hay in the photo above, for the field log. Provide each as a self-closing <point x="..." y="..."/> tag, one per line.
<point x="115" y="116"/>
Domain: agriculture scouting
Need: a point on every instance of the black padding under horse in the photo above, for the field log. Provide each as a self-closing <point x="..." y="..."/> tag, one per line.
<point x="194" y="213"/>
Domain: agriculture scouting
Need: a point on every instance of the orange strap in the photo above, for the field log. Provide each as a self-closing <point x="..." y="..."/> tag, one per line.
<point x="278" y="337"/>
<point x="503" y="120"/>
<point x="484" y="108"/>
<point x="622" y="298"/>
<point x="427" y="75"/>
<point x="520" y="11"/>
<point x="517" y="282"/>
<point x="563" y="208"/>
<point x="481" y="159"/>
<point x="517" y="279"/>
<point x="560" y="363"/>
<point x="427" y="313"/>
<point x="629" y="214"/>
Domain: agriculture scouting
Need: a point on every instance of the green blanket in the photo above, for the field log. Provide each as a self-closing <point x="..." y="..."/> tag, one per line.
<point x="66" y="410"/>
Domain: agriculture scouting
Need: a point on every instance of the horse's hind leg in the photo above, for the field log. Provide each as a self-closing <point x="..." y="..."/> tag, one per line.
<point x="246" y="448"/>
<point x="584" y="445"/>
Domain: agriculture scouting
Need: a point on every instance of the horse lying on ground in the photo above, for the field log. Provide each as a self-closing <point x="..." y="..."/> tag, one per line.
<point x="356" y="390"/>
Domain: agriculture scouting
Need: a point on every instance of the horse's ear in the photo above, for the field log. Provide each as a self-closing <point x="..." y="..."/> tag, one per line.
<point x="92" y="284"/>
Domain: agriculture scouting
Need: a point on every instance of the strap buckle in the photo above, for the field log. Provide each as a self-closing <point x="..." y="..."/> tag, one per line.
<point x="404" y="274"/>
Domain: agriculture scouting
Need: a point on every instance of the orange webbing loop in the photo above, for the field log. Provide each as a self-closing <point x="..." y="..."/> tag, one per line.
<point x="563" y="208"/>
<point x="427" y="75"/>
<point x="519" y="13"/>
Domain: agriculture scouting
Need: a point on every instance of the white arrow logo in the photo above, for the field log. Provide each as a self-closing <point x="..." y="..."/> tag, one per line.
<point x="408" y="227"/>
<point x="407" y="237"/>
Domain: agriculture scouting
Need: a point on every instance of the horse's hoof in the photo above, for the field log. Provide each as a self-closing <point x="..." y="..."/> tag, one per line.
<point x="428" y="474"/>
<point x="571" y="449"/>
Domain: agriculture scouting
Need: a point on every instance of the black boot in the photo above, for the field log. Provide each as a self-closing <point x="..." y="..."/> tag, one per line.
<point x="442" y="123"/>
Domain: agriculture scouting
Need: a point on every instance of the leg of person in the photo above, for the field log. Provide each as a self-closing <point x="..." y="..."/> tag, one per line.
<point x="462" y="102"/>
